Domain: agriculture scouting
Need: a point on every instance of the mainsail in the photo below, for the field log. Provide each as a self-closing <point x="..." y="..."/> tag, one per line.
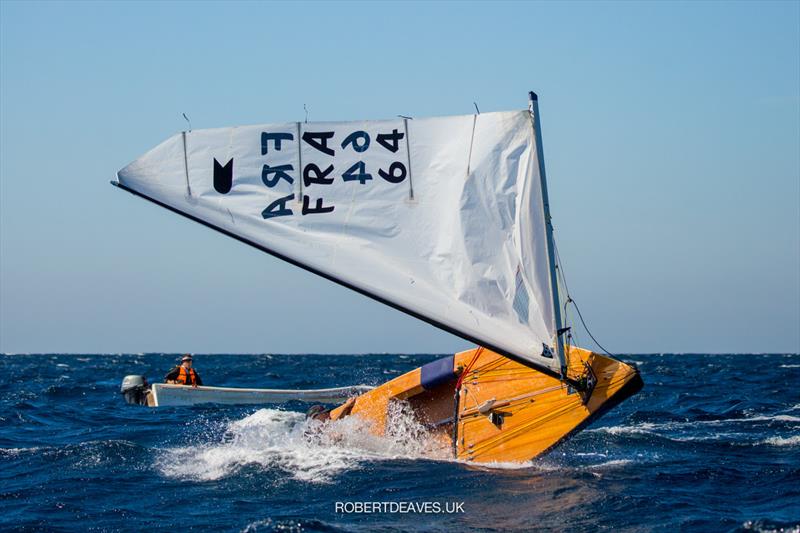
<point x="442" y="218"/>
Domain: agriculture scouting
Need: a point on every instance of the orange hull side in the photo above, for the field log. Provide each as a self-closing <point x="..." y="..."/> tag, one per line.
<point x="507" y="412"/>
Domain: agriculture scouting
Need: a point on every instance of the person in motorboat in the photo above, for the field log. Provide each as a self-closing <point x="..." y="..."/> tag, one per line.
<point x="184" y="374"/>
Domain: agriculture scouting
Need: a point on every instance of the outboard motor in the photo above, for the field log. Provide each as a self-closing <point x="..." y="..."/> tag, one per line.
<point x="135" y="390"/>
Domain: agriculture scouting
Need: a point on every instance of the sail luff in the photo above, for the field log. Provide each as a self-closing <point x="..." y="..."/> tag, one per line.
<point x="551" y="260"/>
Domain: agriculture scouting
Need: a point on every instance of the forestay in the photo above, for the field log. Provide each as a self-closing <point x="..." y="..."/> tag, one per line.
<point x="439" y="217"/>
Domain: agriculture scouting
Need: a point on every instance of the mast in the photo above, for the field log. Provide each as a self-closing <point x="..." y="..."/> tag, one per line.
<point x="551" y="260"/>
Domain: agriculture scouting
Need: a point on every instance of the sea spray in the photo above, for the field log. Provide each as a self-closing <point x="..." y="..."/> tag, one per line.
<point x="306" y="449"/>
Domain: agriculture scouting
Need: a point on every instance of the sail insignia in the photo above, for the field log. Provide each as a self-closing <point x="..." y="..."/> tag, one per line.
<point x="223" y="177"/>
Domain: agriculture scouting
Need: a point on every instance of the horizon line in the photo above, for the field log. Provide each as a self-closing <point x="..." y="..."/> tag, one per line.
<point x="361" y="354"/>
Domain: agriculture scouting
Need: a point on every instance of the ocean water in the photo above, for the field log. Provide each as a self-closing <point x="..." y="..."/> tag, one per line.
<point x="712" y="443"/>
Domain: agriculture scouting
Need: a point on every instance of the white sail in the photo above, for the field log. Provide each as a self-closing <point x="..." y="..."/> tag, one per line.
<point x="440" y="217"/>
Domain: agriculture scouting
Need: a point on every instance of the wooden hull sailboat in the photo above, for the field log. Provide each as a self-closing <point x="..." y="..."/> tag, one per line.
<point x="446" y="219"/>
<point x="484" y="407"/>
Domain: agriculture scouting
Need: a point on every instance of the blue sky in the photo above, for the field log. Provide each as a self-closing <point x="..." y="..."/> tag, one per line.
<point x="671" y="134"/>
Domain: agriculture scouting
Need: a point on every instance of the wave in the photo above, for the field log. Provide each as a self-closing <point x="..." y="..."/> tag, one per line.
<point x="727" y="430"/>
<point x="658" y="430"/>
<point x="766" y="526"/>
<point x="15" y="452"/>
<point x="566" y="465"/>
<point x="779" y="418"/>
<point x="82" y="456"/>
<point x="548" y="464"/>
<point x="651" y="427"/>
<point x="612" y="463"/>
<point x="289" y="526"/>
<point x="305" y="449"/>
<point x="794" y="440"/>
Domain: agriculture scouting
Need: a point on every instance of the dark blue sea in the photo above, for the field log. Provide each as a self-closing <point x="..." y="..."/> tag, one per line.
<point x="712" y="443"/>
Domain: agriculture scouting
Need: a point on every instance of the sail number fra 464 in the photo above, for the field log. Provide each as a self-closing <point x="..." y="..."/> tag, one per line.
<point x="316" y="177"/>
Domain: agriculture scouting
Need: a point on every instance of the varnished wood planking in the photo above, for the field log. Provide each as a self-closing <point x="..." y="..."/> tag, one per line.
<point x="538" y="411"/>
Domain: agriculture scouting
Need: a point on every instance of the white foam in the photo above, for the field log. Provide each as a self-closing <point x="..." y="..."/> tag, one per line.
<point x="500" y="465"/>
<point x="794" y="440"/>
<point x="645" y="428"/>
<point x="760" y="527"/>
<point x="781" y="418"/>
<point x="550" y="465"/>
<point x="611" y="464"/>
<point x="13" y="452"/>
<point x="305" y="449"/>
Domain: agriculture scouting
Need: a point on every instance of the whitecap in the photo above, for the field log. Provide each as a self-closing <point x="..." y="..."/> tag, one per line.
<point x="645" y="428"/>
<point x="305" y="449"/>
<point x="502" y="465"/>
<point x="794" y="440"/>
<point x="761" y="527"/>
<point x="779" y="418"/>
<point x="268" y="525"/>
<point x="13" y="452"/>
<point x="653" y="428"/>
<point x="612" y="463"/>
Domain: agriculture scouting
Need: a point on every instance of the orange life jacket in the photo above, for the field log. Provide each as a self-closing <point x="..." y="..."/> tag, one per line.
<point x="184" y="379"/>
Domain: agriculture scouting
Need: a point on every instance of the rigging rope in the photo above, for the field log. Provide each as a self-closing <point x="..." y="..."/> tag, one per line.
<point x="574" y="303"/>
<point x="468" y="367"/>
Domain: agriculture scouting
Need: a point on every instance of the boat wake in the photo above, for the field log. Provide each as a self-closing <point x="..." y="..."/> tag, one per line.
<point x="305" y="449"/>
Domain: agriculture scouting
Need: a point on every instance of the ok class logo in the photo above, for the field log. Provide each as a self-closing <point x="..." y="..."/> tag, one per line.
<point x="223" y="176"/>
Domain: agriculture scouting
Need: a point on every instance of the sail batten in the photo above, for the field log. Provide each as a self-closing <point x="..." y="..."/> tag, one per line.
<point x="463" y="247"/>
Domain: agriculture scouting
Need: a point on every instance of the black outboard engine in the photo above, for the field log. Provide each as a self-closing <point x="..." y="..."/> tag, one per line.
<point x="135" y="390"/>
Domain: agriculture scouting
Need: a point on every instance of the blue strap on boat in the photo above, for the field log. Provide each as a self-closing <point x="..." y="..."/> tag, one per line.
<point x="437" y="372"/>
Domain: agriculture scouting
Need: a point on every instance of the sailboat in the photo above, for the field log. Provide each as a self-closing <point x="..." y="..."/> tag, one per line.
<point x="446" y="219"/>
